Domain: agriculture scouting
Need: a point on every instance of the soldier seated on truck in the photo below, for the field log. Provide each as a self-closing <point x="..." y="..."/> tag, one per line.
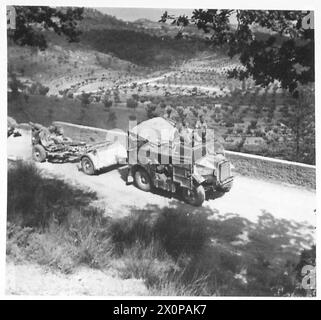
<point x="201" y="125"/>
<point x="185" y="133"/>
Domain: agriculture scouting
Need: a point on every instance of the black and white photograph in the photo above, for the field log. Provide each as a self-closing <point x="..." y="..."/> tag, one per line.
<point x="162" y="151"/>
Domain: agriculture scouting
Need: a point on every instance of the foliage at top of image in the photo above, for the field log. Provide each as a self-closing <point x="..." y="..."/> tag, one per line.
<point x="285" y="53"/>
<point x="31" y="21"/>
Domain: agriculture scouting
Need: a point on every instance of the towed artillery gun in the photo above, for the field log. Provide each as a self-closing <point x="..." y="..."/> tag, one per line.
<point x="49" y="144"/>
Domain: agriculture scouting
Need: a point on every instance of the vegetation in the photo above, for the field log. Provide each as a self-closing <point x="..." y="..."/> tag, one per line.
<point x="31" y="21"/>
<point x="285" y="53"/>
<point x="131" y="103"/>
<point x="142" y="48"/>
<point x="64" y="109"/>
<point x="266" y="59"/>
<point x="175" y="251"/>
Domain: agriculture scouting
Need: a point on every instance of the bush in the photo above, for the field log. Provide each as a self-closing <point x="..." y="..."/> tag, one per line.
<point x="131" y="103"/>
<point x="85" y="99"/>
<point x="38" y="88"/>
<point x="151" y="111"/>
<point x="34" y="201"/>
<point x="106" y="100"/>
<point x="14" y="84"/>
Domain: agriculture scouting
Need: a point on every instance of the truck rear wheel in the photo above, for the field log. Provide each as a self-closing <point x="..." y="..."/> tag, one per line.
<point x="39" y="153"/>
<point x="142" y="180"/>
<point x="87" y="166"/>
<point x="195" y="197"/>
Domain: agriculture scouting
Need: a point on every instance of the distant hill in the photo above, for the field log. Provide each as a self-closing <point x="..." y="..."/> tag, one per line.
<point x="143" y="48"/>
<point x="95" y="20"/>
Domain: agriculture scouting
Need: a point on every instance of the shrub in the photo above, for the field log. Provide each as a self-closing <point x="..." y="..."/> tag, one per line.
<point x="33" y="200"/>
<point x="106" y="100"/>
<point x="151" y="110"/>
<point x="131" y="103"/>
<point x="15" y="84"/>
<point x="38" y="88"/>
<point x="85" y="99"/>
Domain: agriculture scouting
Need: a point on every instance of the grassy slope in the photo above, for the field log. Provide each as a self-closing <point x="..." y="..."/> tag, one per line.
<point x="174" y="252"/>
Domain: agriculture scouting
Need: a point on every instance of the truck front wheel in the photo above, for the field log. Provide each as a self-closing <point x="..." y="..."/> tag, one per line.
<point x="195" y="197"/>
<point x="142" y="180"/>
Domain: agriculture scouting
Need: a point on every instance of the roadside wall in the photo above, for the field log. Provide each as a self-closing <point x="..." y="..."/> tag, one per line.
<point x="82" y="133"/>
<point x="273" y="169"/>
<point x="245" y="164"/>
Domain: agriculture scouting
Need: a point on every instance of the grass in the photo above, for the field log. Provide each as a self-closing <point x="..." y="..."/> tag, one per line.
<point x="175" y="250"/>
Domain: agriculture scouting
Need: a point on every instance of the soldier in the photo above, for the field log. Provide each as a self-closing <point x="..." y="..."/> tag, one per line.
<point x="57" y="135"/>
<point x="12" y="128"/>
<point x="201" y="123"/>
<point x="185" y="132"/>
<point x="52" y="135"/>
<point x="201" y="127"/>
<point x="13" y="131"/>
<point x="168" y="113"/>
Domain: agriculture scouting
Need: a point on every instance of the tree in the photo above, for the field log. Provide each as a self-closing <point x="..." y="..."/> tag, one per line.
<point x="31" y="21"/>
<point x="116" y="95"/>
<point x="112" y="119"/>
<point x="15" y="84"/>
<point x="131" y="103"/>
<point x="151" y="110"/>
<point x="302" y="125"/>
<point x="85" y="99"/>
<point x="272" y="45"/>
<point x="106" y="99"/>
<point x="284" y="53"/>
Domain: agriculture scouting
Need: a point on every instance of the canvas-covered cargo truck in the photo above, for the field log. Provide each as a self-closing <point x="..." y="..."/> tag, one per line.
<point x="158" y="159"/>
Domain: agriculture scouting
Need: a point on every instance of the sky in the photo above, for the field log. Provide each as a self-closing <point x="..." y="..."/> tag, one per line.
<point x="132" y="14"/>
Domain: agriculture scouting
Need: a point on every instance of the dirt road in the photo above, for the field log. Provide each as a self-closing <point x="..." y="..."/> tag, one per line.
<point x="248" y="198"/>
<point x="210" y="89"/>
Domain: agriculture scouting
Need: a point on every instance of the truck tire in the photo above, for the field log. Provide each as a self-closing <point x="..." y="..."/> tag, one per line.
<point x="195" y="197"/>
<point x="87" y="166"/>
<point x="39" y="153"/>
<point x="142" y="180"/>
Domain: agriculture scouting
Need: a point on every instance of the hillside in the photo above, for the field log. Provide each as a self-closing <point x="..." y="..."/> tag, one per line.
<point x="125" y="65"/>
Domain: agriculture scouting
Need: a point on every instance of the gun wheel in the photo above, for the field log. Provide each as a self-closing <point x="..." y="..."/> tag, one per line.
<point x="39" y="153"/>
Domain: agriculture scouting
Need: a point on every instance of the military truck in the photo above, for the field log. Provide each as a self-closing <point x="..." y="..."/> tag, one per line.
<point x="157" y="158"/>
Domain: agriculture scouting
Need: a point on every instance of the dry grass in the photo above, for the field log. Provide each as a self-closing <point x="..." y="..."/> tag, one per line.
<point x="176" y="251"/>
